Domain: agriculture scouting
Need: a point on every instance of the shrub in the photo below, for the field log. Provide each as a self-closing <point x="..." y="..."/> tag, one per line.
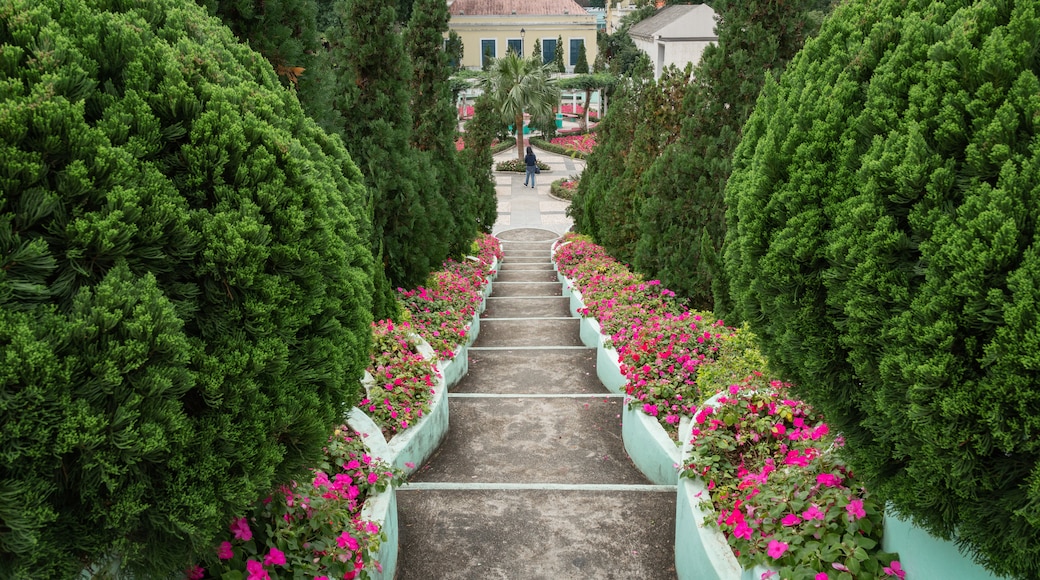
<point x="184" y="289"/>
<point x="881" y="242"/>
<point x="517" y="165"/>
<point x="563" y="188"/>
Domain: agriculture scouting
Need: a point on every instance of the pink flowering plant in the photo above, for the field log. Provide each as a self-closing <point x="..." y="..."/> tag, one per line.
<point x="584" y="143"/>
<point x="441" y="311"/>
<point x="402" y="378"/>
<point x="781" y="495"/>
<point x="309" y="529"/>
<point x="660" y="343"/>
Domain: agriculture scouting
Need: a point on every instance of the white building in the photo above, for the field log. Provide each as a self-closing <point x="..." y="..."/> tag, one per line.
<point x="676" y="34"/>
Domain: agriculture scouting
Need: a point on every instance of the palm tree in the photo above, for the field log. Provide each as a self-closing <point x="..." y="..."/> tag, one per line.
<point x="517" y="84"/>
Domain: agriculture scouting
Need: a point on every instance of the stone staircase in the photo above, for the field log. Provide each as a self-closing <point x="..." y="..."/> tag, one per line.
<point x="532" y="480"/>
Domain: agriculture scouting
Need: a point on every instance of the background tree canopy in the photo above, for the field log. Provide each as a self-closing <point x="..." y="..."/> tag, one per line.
<point x="185" y="284"/>
<point x="882" y="241"/>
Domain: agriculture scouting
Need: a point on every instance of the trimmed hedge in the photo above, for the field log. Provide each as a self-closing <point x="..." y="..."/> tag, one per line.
<point x="184" y="285"/>
<point x="554" y="148"/>
<point x="882" y="242"/>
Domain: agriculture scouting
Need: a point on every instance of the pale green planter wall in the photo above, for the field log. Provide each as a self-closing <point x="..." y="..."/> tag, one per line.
<point x="924" y="556"/>
<point x="649" y="446"/>
<point x="380" y="508"/>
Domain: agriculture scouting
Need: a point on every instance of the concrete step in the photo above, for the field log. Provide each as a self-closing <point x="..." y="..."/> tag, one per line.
<point x="522" y="371"/>
<point x="520" y="275"/>
<point x="507" y="289"/>
<point x="533" y="254"/>
<point x="528" y="332"/>
<point x="511" y="534"/>
<point x="518" y="307"/>
<point x="535" y="439"/>
<point x="509" y="266"/>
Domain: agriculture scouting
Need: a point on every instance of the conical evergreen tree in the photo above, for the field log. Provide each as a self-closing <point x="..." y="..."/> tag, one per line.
<point x="477" y="158"/>
<point x="374" y="99"/>
<point x="536" y="51"/>
<point x="682" y="223"/>
<point x="436" y="125"/>
<point x="558" y="56"/>
<point x="287" y="33"/>
<point x="582" y="66"/>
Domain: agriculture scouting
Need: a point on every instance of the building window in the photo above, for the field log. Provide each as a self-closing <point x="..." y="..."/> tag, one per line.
<point x="576" y="44"/>
<point x="488" y="51"/>
<point x="548" y="50"/>
<point x="515" y="45"/>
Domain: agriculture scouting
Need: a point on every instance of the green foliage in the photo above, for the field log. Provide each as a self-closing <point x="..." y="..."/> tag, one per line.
<point x="435" y="119"/>
<point x="557" y="62"/>
<point x="881" y="241"/>
<point x="455" y="50"/>
<point x="554" y="148"/>
<point x="477" y="157"/>
<point x="737" y="359"/>
<point x="536" y="52"/>
<point x="649" y="116"/>
<point x="691" y="173"/>
<point x="582" y="66"/>
<point x="286" y="32"/>
<point x="518" y="165"/>
<point x="184" y="285"/>
<point x="412" y="221"/>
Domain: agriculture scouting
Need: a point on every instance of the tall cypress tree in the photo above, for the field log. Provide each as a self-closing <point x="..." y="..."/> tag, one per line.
<point x="558" y="56"/>
<point x="682" y="223"/>
<point x="374" y="99"/>
<point x="436" y="124"/>
<point x="477" y="159"/>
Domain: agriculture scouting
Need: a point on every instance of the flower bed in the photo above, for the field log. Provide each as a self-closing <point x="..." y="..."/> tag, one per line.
<point x="784" y="502"/>
<point x="517" y="165"/>
<point x="582" y="143"/>
<point x="659" y="342"/>
<point x="313" y="528"/>
<point x="564" y="188"/>
<point x="782" y="497"/>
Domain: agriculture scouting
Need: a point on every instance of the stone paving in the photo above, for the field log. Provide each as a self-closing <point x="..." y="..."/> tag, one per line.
<point x="532" y="481"/>
<point x="523" y="207"/>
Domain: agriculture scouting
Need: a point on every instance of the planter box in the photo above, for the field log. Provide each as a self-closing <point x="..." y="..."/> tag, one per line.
<point x="454" y="369"/>
<point x="418" y="442"/>
<point x="923" y="555"/>
<point x="591" y="332"/>
<point x="701" y="551"/>
<point x="576" y="302"/>
<point x="650" y="447"/>
<point x="380" y="508"/>
<point x="609" y="370"/>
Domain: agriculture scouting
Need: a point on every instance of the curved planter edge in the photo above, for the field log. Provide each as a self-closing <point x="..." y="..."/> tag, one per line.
<point x="382" y="507"/>
<point x="650" y="447"/>
<point x="923" y="555"/>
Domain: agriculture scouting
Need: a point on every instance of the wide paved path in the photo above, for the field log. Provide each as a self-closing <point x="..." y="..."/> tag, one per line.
<point x="522" y="207"/>
<point x="532" y="480"/>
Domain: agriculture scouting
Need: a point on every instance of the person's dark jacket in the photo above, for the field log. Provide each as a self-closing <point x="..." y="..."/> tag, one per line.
<point x="530" y="160"/>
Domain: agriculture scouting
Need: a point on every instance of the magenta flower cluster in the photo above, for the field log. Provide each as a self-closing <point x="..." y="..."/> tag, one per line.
<point x="660" y="343"/>
<point x="781" y="494"/>
<point x="441" y="310"/>
<point x="312" y="528"/>
<point x="583" y="143"/>
<point x="402" y="378"/>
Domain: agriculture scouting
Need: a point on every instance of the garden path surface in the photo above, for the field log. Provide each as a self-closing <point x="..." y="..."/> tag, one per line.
<point x="524" y="207"/>
<point x="532" y="480"/>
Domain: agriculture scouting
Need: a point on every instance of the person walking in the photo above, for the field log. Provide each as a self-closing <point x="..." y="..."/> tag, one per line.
<point x="532" y="166"/>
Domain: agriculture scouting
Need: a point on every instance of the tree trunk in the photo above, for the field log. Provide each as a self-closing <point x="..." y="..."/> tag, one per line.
<point x="518" y="124"/>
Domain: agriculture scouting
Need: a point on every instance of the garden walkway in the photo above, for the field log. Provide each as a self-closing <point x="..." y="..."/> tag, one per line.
<point x="532" y="480"/>
<point x="523" y="207"/>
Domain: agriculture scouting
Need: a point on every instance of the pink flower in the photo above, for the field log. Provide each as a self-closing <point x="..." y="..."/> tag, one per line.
<point x="224" y="551"/>
<point x="791" y="520"/>
<point x="275" y="557"/>
<point x="895" y="569"/>
<point x="240" y="529"/>
<point x="776" y="549"/>
<point x="855" y="509"/>
<point x="345" y="540"/>
<point x="256" y="571"/>
<point x="742" y="530"/>
<point x="813" y="513"/>
<point x="821" y="576"/>
<point x="195" y="573"/>
<point x="828" y="479"/>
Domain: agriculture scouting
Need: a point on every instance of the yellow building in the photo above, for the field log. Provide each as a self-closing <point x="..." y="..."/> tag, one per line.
<point x="491" y="27"/>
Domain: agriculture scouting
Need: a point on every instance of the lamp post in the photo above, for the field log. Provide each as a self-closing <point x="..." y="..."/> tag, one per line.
<point x="521" y="42"/>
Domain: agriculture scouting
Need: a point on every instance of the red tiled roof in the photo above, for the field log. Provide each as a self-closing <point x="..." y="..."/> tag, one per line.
<point x="499" y="7"/>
